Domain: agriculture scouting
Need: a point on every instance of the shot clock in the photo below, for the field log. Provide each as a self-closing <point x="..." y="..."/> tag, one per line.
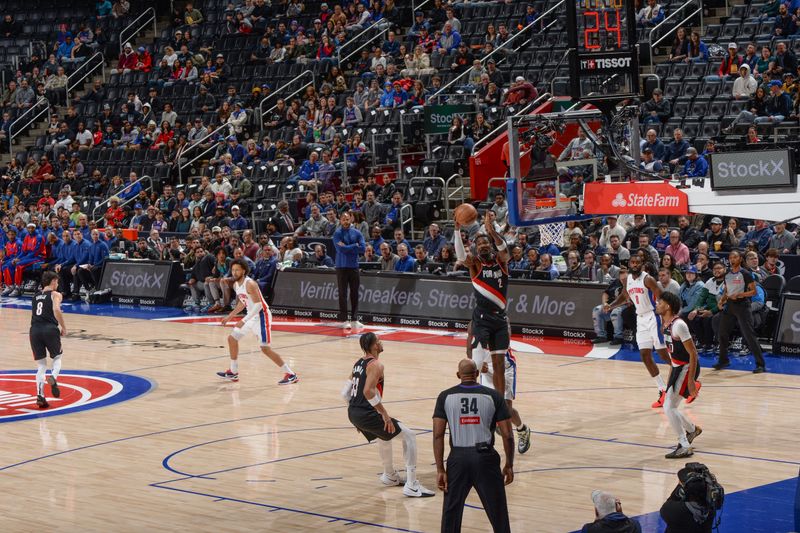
<point x="604" y="62"/>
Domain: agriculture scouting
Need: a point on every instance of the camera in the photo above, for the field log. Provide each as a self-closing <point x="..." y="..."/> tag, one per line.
<point x="700" y="484"/>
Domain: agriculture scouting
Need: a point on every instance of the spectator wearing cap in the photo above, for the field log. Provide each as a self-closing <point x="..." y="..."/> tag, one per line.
<point x="420" y="22"/>
<point x="609" y="517"/>
<point x="779" y="105"/>
<point x="691" y="292"/>
<point x="237" y="222"/>
<point x="237" y="120"/>
<point x="114" y="214"/>
<point x="222" y="70"/>
<point x="695" y="166"/>
<point x="649" y="163"/>
<point x="657" y="110"/>
<point x="717" y="239"/>
<point x="782" y="240"/>
<point x="462" y="60"/>
<point x="236" y="150"/>
<point x="521" y="92"/>
<point x="731" y="62"/>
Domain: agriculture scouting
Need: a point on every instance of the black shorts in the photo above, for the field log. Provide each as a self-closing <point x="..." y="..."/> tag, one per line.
<point x="45" y="339"/>
<point x="681" y="388"/>
<point x="370" y="423"/>
<point x="491" y="330"/>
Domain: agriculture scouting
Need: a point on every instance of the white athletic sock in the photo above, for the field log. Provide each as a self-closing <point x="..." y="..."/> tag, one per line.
<point x="235" y="366"/>
<point x="41" y="372"/>
<point x="520" y="427"/>
<point x="660" y="383"/>
<point x="56" y="366"/>
<point x="286" y="369"/>
<point x="385" y="451"/>
<point x="409" y="453"/>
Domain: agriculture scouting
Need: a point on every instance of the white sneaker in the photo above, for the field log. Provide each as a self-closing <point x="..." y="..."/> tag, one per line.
<point x="358" y="325"/>
<point x="415" y="490"/>
<point x="393" y="480"/>
<point x="347" y="325"/>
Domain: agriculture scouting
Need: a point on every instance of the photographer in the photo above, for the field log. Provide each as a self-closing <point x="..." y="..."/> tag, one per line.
<point x="688" y="509"/>
<point x="609" y="517"/>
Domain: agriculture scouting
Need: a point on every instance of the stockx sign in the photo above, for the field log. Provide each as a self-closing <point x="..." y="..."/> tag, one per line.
<point x="752" y="169"/>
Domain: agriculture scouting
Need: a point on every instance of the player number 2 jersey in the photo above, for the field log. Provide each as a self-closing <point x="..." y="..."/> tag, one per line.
<point x="491" y="286"/>
<point x="642" y="297"/>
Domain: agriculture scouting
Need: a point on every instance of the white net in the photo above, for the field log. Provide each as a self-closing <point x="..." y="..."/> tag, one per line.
<point x="552" y="233"/>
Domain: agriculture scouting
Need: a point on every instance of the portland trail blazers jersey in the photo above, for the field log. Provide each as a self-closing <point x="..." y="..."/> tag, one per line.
<point x="643" y="298"/>
<point x="491" y="285"/>
<point x="675" y="334"/>
<point x="42" y="310"/>
<point x="359" y="378"/>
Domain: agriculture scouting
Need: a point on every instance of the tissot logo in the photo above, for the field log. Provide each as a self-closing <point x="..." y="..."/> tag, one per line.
<point x="605" y="63"/>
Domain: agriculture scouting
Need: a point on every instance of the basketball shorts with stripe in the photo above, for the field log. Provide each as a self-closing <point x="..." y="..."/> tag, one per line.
<point x="491" y="330"/>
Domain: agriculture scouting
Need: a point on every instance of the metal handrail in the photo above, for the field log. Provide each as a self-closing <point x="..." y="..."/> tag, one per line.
<point x="102" y="65"/>
<point x="126" y="202"/>
<point x="36" y="114"/>
<point x="503" y="126"/>
<point x="125" y="34"/>
<point x="503" y="46"/>
<point x="448" y="195"/>
<point x="355" y="40"/>
<point x="416" y="7"/>
<point x="409" y="220"/>
<point x="262" y="113"/>
<point x="674" y="28"/>
<point x="196" y="144"/>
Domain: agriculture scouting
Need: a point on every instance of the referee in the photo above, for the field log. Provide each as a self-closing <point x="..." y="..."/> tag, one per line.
<point x="349" y="245"/>
<point x="472" y="411"/>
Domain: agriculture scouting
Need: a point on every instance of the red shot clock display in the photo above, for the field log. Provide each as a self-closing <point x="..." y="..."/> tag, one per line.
<point x="603" y="61"/>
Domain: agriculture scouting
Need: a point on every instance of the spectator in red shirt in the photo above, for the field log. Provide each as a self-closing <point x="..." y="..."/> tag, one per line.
<point x="127" y="60"/>
<point x="46" y="199"/>
<point x="45" y="171"/>
<point x="521" y="92"/>
<point x="114" y="214"/>
<point x="144" y="61"/>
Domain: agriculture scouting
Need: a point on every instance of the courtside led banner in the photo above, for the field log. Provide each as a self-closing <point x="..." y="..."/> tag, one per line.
<point x="650" y="198"/>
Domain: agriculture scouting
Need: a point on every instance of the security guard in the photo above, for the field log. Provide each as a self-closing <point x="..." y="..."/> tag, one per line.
<point x="472" y="411"/>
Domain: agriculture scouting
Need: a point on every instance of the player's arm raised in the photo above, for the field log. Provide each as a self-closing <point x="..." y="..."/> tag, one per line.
<point x="502" y="248"/>
<point x="374" y="374"/>
<point x="461" y="252"/>
<point x="56" y="297"/>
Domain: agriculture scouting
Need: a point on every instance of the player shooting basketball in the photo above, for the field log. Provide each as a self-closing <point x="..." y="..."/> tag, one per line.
<point x="489" y="273"/>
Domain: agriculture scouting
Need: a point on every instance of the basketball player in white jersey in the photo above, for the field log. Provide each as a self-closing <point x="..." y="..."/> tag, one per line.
<point x="257" y="321"/>
<point x="685" y="369"/>
<point x="641" y="289"/>
<point x="483" y="360"/>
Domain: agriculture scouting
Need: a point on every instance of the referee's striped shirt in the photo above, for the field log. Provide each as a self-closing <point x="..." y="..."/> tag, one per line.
<point x="472" y="412"/>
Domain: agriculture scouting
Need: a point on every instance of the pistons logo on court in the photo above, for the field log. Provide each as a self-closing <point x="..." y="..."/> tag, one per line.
<point x="80" y="390"/>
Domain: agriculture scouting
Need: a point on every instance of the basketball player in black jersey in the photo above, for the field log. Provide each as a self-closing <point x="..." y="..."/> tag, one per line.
<point x="47" y="326"/>
<point x="685" y="370"/>
<point x="363" y="393"/>
<point x="489" y="273"/>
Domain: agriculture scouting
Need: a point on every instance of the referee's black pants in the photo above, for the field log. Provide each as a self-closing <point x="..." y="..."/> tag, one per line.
<point x="738" y="311"/>
<point x="468" y="468"/>
<point x="348" y="280"/>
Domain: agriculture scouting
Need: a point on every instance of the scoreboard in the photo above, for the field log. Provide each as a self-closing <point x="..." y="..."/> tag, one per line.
<point x="604" y="58"/>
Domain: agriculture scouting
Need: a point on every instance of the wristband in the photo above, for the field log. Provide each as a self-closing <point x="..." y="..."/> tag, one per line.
<point x="501" y="247"/>
<point x="375" y="400"/>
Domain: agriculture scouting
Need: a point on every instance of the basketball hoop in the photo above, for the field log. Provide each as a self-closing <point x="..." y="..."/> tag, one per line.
<point x="552" y="233"/>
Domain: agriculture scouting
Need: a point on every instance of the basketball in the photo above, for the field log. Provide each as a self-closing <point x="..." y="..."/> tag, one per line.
<point x="465" y="214"/>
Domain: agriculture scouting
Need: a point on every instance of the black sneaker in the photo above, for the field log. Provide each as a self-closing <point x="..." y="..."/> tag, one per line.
<point x="680" y="452"/>
<point x="721" y="364"/>
<point x="759" y="370"/>
<point x="616" y="342"/>
<point x="599" y="340"/>
<point x="54" y="390"/>
<point x="41" y="402"/>
<point x="691" y="435"/>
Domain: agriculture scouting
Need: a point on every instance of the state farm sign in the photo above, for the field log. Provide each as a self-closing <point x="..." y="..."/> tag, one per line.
<point x="650" y="198"/>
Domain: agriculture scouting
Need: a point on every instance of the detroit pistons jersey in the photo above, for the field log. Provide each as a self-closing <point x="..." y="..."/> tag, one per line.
<point x="243" y="296"/>
<point x="491" y="285"/>
<point x="359" y="378"/>
<point x="643" y="298"/>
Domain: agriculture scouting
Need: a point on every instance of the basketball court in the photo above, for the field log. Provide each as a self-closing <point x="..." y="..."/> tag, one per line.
<point x="180" y="450"/>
